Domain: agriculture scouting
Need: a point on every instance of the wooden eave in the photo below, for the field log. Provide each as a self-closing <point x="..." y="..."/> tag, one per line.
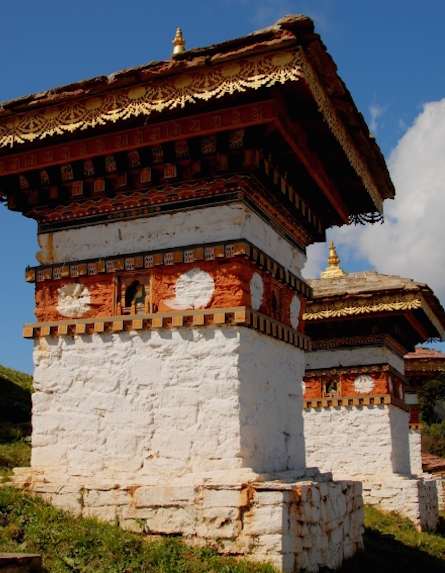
<point x="289" y="33"/>
<point x="427" y="320"/>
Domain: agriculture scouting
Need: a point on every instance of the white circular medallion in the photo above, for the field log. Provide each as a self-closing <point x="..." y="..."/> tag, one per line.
<point x="194" y="289"/>
<point x="74" y="300"/>
<point x="363" y="384"/>
<point x="256" y="291"/>
<point x="295" y="307"/>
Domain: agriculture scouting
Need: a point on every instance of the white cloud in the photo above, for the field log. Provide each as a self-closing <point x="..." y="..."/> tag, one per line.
<point x="375" y="111"/>
<point x="316" y="260"/>
<point x="267" y="12"/>
<point x="411" y="242"/>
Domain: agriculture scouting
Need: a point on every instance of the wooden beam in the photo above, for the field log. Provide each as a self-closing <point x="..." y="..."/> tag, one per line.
<point x="296" y="137"/>
<point x="416" y="324"/>
<point x="239" y="117"/>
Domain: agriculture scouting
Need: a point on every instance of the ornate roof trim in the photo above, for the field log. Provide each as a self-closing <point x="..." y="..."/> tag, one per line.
<point x="425" y="365"/>
<point x="353" y="306"/>
<point x="176" y="91"/>
<point x="266" y="70"/>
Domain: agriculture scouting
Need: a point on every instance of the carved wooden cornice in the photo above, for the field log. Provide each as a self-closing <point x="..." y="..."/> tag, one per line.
<point x="237" y="316"/>
<point x="425" y="365"/>
<point x="384" y="399"/>
<point x="355" y="306"/>
<point x="176" y="91"/>
<point x="263" y="70"/>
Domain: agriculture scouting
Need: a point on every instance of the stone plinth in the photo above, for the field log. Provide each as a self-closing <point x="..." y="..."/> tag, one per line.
<point x="415" y="499"/>
<point x="297" y="520"/>
<point x="371" y="444"/>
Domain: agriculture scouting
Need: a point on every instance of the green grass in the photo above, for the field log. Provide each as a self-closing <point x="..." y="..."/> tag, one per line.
<point x="15" y="420"/>
<point x="20" y="378"/>
<point x="392" y="545"/>
<point x="86" y="545"/>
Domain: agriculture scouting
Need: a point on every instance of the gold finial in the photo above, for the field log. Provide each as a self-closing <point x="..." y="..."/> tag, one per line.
<point x="179" y="43"/>
<point x="334" y="270"/>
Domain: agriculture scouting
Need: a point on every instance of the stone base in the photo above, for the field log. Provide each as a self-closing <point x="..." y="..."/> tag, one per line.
<point x="413" y="498"/>
<point x="440" y="484"/>
<point x="294" y="522"/>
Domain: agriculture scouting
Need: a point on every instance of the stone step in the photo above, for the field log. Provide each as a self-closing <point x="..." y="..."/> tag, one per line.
<point x="20" y="562"/>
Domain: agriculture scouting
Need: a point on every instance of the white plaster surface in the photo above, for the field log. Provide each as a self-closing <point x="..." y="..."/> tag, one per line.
<point x="198" y="226"/>
<point x="256" y="291"/>
<point x="295" y="307"/>
<point x="194" y="289"/>
<point x="415" y="451"/>
<point x="356" y="442"/>
<point x="364" y="384"/>
<point x="163" y="403"/>
<point x="73" y="300"/>
<point x="356" y="356"/>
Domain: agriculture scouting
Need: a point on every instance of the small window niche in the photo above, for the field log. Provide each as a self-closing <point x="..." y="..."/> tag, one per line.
<point x="332" y="387"/>
<point x="134" y="295"/>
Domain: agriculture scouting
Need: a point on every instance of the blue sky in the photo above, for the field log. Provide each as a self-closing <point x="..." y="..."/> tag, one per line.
<point x="390" y="53"/>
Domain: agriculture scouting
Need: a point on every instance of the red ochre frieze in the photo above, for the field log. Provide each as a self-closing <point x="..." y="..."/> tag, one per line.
<point x="378" y="379"/>
<point x="217" y="283"/>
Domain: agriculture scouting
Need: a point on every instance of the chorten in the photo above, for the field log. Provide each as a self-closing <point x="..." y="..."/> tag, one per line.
<point x="356" y="392"/>
<point x="175" y="202"/>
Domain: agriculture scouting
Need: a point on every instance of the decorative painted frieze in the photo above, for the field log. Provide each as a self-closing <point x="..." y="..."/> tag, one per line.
<point x="345" y="382"/>
<point x="188" y="255"/>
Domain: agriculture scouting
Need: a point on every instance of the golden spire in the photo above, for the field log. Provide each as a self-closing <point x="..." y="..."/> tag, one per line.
<point x="179" y="43"/>
<point x="334" y="270"/>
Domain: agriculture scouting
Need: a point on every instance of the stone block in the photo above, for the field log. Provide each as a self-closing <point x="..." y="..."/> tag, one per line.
<point x="268" y="519"/>
<point x="162" y="496"/>
<point x="103" y="513"/>
<point x="271" y="497"/>
<point x="224" y="498"/>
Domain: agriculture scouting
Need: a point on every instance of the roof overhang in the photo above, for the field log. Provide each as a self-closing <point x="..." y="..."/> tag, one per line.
<point x="277" y="60"/>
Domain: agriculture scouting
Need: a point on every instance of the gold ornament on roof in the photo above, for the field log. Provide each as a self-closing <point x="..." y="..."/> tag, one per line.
<point x="179" y="43"/>
<point x="334" y="270"/>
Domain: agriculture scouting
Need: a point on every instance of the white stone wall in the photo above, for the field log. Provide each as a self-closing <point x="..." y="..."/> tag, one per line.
<point x="415" y="499"/>
<point x="356" y="356"/>
<point x="208" y="401"/>
<point x="301" y="525"/>
<point x="199" y="226"/>
<point x="415" y="452"/>
<point x="357" y="441"/>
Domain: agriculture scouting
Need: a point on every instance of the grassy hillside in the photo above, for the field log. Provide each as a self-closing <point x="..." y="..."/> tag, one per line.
<point x="86" y="545"/>
<point x="15" y="419"/>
